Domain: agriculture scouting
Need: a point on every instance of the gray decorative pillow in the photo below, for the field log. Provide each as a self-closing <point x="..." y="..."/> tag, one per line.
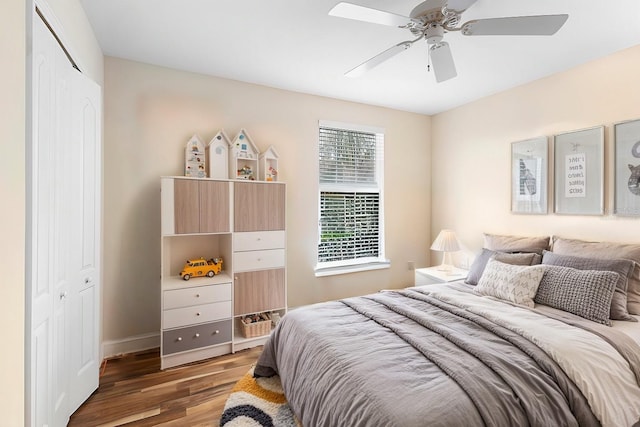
<point x="509" y="243"/>
<point x="623" y="267"/>
<point x="479" y="264"/>
<point x="585" y="293"/>
<point x="607" y="250"/>
<point x="518" y="258"/>
<point x="515" y="283"/>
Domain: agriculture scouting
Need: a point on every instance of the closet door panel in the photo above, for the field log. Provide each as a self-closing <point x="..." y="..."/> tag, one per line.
<point x="84" y="296"/>
<point x="63" y="232"/>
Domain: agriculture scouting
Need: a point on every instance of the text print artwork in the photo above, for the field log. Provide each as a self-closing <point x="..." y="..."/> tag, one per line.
<point x="575" y="183"/>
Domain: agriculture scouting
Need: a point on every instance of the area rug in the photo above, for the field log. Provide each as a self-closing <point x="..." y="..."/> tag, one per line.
<point x="258" y="402"/>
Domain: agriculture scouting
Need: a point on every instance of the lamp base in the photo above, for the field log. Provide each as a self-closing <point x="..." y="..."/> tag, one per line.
<point x="445" y="266"/>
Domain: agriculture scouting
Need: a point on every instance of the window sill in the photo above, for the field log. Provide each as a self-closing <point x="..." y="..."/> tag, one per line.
<point x="332" y="271"/>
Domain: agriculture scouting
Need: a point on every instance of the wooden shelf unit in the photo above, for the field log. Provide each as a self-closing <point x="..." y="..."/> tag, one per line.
<point x="244" y="223"/>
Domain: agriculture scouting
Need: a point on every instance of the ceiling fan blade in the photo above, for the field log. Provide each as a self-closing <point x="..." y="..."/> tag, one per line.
<point x="442" y="60"/>
<point x="378" y="59"/>
<point x="460" y="5"/>
<point x="367" y="14"/>
<point x="541" y="25"/>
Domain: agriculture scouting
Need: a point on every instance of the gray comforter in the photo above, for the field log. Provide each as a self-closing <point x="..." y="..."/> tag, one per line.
<point x="407" y="358"/>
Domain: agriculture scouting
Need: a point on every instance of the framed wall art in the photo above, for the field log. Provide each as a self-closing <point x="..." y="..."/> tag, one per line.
<point x="579" y="172"/>
<point x="627" y="168"/>
<point x="529" y="160"/>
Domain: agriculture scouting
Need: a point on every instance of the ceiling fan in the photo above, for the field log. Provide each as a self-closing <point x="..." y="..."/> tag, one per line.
<point x="431" y="19"/>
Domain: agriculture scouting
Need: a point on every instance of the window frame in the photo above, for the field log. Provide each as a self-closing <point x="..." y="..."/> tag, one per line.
<point x="329" y="268"/>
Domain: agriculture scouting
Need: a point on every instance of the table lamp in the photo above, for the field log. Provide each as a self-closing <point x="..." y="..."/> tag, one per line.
<point x="446" y="242"/>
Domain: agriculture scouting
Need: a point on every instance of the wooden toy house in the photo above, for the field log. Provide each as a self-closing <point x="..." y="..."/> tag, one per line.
<point x="243" y="157"/>
<point x="195" y="158"/>
<point x="268" y="165"/>
<point x="218" y="156"/>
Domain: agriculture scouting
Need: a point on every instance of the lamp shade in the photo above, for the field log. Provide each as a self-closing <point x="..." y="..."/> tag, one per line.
<point x="446" y="242"/>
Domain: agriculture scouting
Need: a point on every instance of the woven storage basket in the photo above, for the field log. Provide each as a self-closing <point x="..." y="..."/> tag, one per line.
<point x="255" y="329"/>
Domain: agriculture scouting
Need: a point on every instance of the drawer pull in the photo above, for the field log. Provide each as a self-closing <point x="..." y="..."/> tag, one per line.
<point x="179" y="339"/>
<point x="197" y="335"/>
<point x="197" y="295"/>
<point x="259" y="238"/>
<point x="259" y="259"/>
<point x="198" y="314"/>
<point x="216" y="332"/>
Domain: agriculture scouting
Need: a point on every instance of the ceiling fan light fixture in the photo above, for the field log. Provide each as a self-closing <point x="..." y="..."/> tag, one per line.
<point x="443" y="66"/>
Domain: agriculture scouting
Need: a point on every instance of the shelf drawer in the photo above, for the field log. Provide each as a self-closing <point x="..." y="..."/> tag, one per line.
<point x="178" y="317"/>
<point x="192" y="337"/>
<point x="196" y="296"/>
<point x="258" y="260"/>
<point x="256" y="240"/>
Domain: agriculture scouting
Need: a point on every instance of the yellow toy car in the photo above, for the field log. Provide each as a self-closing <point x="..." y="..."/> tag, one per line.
<point x="201" y="267"/>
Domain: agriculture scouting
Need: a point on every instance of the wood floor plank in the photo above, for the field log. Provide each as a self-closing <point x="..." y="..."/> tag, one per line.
<point x="130" y="418"/>
<point x="134" y="391"/>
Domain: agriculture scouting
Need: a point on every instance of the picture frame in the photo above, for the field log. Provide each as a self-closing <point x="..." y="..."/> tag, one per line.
<point x="627" y="168"/>
<point x="529" y="171"/>
<point x="579" y="172"/>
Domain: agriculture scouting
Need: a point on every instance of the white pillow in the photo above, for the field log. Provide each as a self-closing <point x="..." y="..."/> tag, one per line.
<point x="515" y="283"/>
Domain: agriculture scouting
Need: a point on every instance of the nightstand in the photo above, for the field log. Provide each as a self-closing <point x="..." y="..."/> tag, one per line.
<point x="432" y="275"/>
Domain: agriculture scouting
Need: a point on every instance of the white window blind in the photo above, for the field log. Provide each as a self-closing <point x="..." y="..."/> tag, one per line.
<point x="350" y="199"/>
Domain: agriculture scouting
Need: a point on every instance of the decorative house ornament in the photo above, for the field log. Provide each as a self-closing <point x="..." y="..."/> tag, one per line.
<point x="195" y="158"/>
<point x="269" y="165"/>
<point x="218" y="156"/>
<point x="243" y="157"/>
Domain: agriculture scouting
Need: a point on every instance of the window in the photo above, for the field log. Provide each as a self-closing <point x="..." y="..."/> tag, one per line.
<point x="351" y="227"/>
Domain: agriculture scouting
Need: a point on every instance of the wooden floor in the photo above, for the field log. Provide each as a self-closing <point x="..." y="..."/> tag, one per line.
<point x="134" y="391"/>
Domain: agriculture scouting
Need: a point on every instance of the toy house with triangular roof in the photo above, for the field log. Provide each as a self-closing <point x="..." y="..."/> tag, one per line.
<point x="195" y="159"/>
<point x="268" y="165"/>
<point x="243" y="157"/>
<point x="218" y="156"/>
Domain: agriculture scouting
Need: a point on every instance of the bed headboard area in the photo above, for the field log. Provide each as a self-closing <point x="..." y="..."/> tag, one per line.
<point x="620" y="258"/>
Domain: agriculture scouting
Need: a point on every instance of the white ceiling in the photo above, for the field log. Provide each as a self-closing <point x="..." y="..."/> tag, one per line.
<point x="295" y="45"/>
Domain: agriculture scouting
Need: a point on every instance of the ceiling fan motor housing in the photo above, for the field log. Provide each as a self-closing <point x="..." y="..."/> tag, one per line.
<point x="434" y="33"/>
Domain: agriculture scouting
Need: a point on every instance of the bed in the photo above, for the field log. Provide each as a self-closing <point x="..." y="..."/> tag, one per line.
<point x="497" y="349"/>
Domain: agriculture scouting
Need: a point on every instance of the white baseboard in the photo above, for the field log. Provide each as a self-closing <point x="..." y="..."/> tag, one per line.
<point x="130" y="345"/>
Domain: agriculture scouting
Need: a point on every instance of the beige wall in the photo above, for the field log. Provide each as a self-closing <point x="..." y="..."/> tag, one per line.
<point x="151" y="112"/>
<point x="12" y="190"/>
<point x="471" y="150"/>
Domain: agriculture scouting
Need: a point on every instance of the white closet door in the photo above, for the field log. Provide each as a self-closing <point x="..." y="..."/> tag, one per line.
<point x="40" y="225"/>
<point x="85" y="288"/>
<point x="63" y="235"/>
<point x="49" y="231"/>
